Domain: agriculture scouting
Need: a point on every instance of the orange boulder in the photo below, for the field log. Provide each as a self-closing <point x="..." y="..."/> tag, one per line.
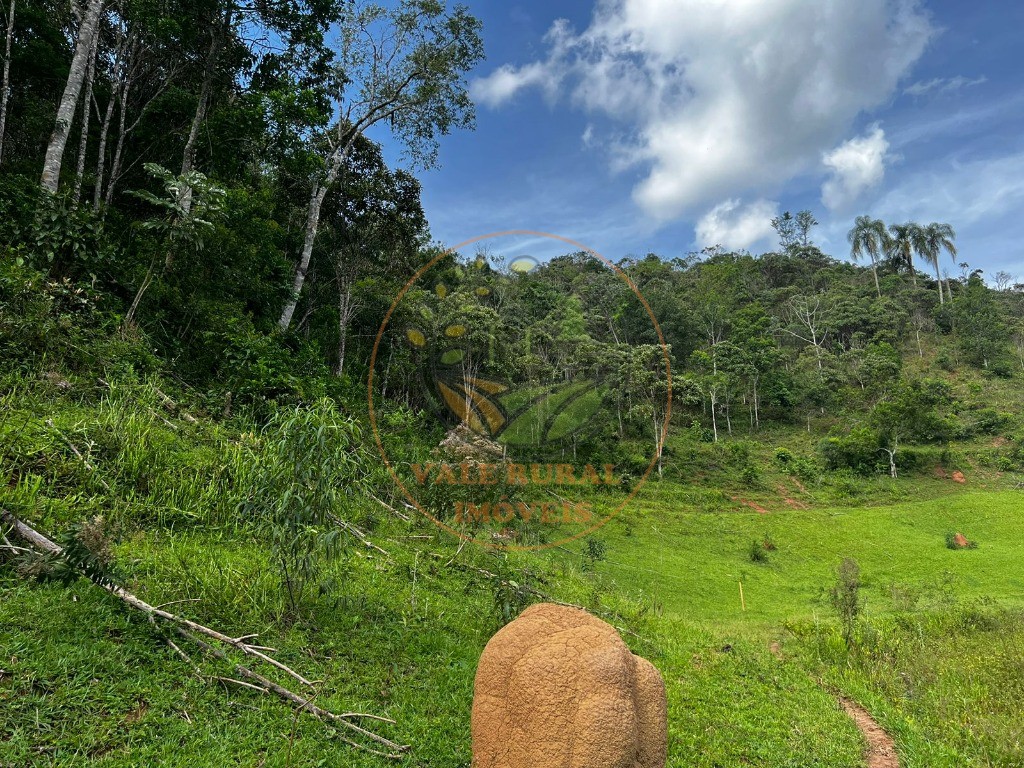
<point x="557" y="688"/>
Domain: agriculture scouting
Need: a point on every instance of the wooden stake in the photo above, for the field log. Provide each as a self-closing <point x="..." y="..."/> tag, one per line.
<point x="743" y="603"/>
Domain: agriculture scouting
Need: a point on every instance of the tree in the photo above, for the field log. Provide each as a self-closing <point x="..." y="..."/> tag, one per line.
<point x="785" y="227"/>
<point x="375" y="223"/>
<point x="912" y="411"/>
<point x="808" y="314"/>
<point x="405" y="66"/>
<point x="5" y="84"/>
<point x="906" y="240"/>
<point x="980" y="328"/>
<point x="936" y="238"/>
<point x="871" y="237"/>
<point x="176" y="227"/>
<point x="805" y="222"/>
<point x="87" y="32"/>
<point x="845" y="598"/>
<point x="794" y="231"/>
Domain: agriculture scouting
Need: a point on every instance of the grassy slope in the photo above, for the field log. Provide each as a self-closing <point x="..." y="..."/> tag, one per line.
<point x="691" y="562"/>
<point x="85" y="682"/>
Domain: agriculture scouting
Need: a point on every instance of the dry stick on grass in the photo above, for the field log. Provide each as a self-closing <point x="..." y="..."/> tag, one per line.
<point x="358" y="533"/>
<point x="191" y="631"/>
<point x="88" y="464"/>
<point x="389" y="508"/>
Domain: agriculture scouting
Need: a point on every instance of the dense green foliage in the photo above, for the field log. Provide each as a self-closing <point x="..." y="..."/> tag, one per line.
<point x="186" y="331"/>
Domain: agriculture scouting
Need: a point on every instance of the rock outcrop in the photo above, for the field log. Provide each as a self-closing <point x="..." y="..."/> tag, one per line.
<point x="557" y="688"/>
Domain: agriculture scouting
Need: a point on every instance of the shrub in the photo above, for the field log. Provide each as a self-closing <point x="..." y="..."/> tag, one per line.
<point x="593" y="552"/>
<point x="857" y="450"/>
<point x="758" y="552"/>
<point x="699" y="433"/>
<point x="751" y="476"/>
<point x="945" y="362"/>
<point x="306" y="469"/>
<point x="846" y="599"/>
<point x="783" y="457"/>
<point x="956" y="540"/>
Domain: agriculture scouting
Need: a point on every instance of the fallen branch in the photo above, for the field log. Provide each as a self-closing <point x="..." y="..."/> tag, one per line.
<point x="195" y="632"/>
<point x="358" y="533"/>
<point x="389" y="508"/>
<point x="88" y="464"/>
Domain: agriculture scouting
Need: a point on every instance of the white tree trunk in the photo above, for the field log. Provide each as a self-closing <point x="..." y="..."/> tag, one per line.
<point x="83" y="141"/>
<point x="115" y="165"/>
<point x="101" y="160"/>
<point x="69" y="100"/>
<point x="346" y="310"/>
<point x="188" y="158"/>
<point x="5" y="93"/>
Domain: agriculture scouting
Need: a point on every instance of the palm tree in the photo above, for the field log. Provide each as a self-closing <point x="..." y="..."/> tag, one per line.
<point x="871" y="237"/>
<point x="938" y="237"/>
<point x="907" y="239"/>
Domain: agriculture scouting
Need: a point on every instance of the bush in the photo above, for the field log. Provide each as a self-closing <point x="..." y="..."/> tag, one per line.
<point x="593" y="552"/>
<point x="956" y="540"/>
<point x="758" y="552"/>
<point x="751" y="476"/>
<point x="846" y="599"/>
<point x="857" y="451"/>
<point x="306" y="468"/>
<point x="783" y="457"/>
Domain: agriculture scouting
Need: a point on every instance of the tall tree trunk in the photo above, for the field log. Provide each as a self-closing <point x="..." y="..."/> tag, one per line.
<point x="6" y="85"/>
<point x="874" y="271"/>
<point x="115" y="165"/>
<point x="88" y="29"/>
<point x="938" y="279"/>
<point x="108" y="116"/>
<point x="83" y="141"/>
<point x="316" y="201"/>
<point x="714" y="421"/>
<point x="101" y="160"/>
<point x="188" y="158"/>
<point x="757" y="416"/>
<point x="346" y="309"/>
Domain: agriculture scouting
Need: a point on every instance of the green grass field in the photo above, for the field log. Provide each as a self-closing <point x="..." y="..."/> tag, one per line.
<point x="84" y="681"/>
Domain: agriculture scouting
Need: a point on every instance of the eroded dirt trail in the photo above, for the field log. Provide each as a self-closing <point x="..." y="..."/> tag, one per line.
<point x="881" y="751"/>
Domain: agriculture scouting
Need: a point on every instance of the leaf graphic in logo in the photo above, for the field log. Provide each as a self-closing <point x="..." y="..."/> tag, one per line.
<point x="469" y="401"/>
<point x="549" y="413"/>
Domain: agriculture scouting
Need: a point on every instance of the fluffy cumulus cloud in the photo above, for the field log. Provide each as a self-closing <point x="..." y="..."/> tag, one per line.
<point x="721" y="98"/>
<point x="736" y="226"/>
<point x="855" y="167"/>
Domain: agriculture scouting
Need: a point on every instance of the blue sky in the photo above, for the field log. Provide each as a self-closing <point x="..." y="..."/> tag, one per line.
<point x="636" y="126"/>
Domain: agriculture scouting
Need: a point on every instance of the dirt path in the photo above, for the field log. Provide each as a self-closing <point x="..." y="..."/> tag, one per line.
<point x="881" y="751"/>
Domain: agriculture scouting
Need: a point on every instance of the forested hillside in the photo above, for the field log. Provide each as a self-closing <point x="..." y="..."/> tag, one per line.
<point x="200" y="239"/>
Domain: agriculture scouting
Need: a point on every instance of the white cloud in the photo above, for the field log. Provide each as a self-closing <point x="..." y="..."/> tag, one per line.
<point x="724" y="97"/>
<point x="502" y="84"/>
<point x="588" y="136"/>
<point x="856" y="166"/>
<point x="965" y="194"/>
<point x="736" y="226"/>
<point x="942" y="85"/>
